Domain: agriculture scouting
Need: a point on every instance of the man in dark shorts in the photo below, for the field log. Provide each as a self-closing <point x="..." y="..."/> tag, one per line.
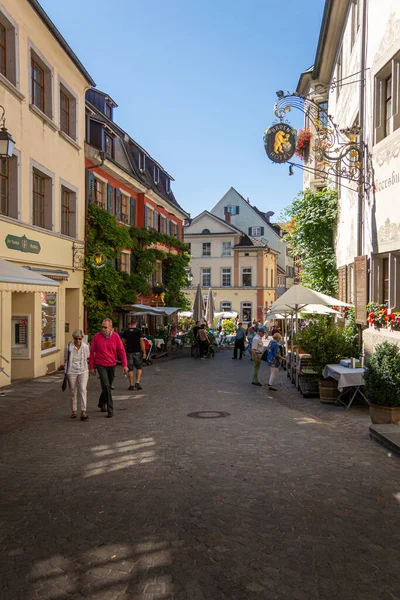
<point x="132" y="339"/>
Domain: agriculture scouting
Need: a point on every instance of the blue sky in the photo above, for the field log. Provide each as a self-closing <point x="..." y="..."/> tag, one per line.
<point x="195" y="82"/>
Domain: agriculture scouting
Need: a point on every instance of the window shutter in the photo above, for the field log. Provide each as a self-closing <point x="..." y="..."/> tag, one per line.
<point x="110" y="194"/>
<point x="250" y="229"/>
<point x="133" y="263"/>
<point x="118" y="263"/>
<point x="133" y="212"/>
<point x="342" y="283"/>
<point x="155" y="220"/>
<point x="237" y="210"/>
<point x="146" y="211"/>
<point x="169" y="222"/>
<point x="90" y="183"/>
<point x="262" y="230"/>
<point x="118" y="204"/>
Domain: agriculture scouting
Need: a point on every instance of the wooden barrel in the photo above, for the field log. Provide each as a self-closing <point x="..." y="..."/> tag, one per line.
<point x="328" y="391"/>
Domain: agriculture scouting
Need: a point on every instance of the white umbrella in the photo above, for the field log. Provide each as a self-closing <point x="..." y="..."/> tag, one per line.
<point x="198" y="307"/>
<point x="226" y="315"/>
<point x="210" y="310"/>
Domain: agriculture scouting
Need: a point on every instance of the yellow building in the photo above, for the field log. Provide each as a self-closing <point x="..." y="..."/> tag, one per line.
<point x="241" y="270"/>
<point x="42" y="199"/>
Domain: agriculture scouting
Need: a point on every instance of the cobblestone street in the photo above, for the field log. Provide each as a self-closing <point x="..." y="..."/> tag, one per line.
<point x="284" y="499"/>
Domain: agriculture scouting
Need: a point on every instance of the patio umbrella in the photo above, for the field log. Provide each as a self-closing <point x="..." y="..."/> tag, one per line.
<point x="210" y="310"/>
<point x="198" y="309"/>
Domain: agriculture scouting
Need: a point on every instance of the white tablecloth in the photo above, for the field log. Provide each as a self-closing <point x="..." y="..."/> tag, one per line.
<point x="344" y="376"/>
<point x="158" y="342"/>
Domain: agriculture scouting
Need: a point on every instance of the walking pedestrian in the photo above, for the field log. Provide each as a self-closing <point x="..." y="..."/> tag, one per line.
<point x="257" y="348"/>
<point x="274" y="358"/>
<point x="203" y="341"/>
<point x="250" y="335"/>
<point x="132" y="338"/>
<point x="76" y="359"/>
<point x="196" y="341"/>
<point x="106" y="348"/>
<point x="239" y="342"/>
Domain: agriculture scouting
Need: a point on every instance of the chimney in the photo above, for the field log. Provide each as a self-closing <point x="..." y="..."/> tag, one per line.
<point x="228" y="217"/>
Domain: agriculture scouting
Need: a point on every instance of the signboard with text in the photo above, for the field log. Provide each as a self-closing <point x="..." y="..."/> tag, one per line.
<point x="22" y="244"/>
<point x="280" y="142"/>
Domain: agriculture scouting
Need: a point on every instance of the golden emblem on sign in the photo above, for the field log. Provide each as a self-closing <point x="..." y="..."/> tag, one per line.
<point x="281" y="142"/>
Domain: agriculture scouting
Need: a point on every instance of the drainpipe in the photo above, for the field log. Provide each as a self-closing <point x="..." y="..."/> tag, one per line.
<point x="360" y="206"/>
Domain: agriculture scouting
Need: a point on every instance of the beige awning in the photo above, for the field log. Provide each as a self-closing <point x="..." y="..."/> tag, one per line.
<point x="17" y="279"/>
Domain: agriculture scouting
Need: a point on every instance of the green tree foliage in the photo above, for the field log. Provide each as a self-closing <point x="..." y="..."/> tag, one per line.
<point x="382" y="377"/>
<point x="310" y="234"/>
<point x="106" y="289"/>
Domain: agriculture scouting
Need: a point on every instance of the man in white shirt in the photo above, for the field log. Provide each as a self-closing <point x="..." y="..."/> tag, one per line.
<point x="257" y="348"/>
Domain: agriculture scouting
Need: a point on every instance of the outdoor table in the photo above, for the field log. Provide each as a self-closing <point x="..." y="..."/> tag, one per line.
<point x="349" y="380"/>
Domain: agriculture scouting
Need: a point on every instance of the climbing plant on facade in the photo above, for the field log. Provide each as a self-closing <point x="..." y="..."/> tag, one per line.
<point x="310" y="233"/>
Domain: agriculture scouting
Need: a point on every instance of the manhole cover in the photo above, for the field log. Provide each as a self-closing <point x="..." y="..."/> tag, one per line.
<point x="208" y="414"/>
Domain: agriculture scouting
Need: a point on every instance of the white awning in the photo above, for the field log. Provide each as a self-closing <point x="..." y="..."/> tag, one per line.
<point x="154" y="311"/>
<point x="17" y="279"/>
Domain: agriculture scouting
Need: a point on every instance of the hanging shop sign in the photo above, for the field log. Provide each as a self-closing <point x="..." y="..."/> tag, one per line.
<point x="97" y="261"/>
<point x="22" y="244"/>
<point x="280" y="142"/>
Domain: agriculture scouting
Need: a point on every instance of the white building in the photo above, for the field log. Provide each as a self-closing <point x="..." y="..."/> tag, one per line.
<point x="241" y="270"/>
<point x="357" y="73"/>
<point x="257" y="224"/>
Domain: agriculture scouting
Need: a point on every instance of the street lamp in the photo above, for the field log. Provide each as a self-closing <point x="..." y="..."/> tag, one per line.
<point x="6" y="141"/>
<point x="189" y="275"/>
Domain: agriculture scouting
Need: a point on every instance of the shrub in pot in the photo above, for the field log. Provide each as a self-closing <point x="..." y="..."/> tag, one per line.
<point x="382" y="383"/>
<point x="327" y="343"/>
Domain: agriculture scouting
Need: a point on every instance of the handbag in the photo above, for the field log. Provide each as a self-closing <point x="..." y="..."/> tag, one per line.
<point x="65" y="380"/>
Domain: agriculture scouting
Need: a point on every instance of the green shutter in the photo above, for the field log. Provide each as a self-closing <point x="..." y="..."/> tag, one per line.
<point x="250" y="228"/>
<point x="133" y="211"/>
<point x="262" y="230"/>
<point x="118" y="204"/>
<point x="90" y="185"/>
<point x="110" y="198"/>
<point x="155" y="220"/>
<point x="145" y="215"/>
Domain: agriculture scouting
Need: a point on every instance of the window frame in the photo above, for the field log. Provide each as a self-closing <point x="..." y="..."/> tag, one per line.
<point x="256" y="227"/>
<point x="34" y="83"/>
<point x="3" y="63"/>
<point x="125" y="216"/>
<point x="246" y="306"/>
<point x="6" y="178"/>
<point x="223" y="308"/>
<point x="72" y="191"/>
<point x="108" y="136"/>
<point x="101" y="203"/>
<point x="226" y="274"/>
<point x="224" y="252"/>
<point x="243" y="273"/>
<point x="229" y="209"/>
<point x="126" y="260"/>
<point x="202" y="273"/>
<point x="206" y="254"/>
<point x="65" y="192"/>
<point x="11" y="76"/>
<point x="49" y="208"/>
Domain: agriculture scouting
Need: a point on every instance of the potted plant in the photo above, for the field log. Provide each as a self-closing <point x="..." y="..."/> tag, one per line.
<point x="326" y="343"/>
<point x="303" y="142"/>
<point x="382" y="384"/>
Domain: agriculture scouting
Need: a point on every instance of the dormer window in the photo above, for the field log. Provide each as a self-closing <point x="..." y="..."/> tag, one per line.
<point x="108" y="144"/>
<point x="167" y="185"/>
<point x="142" y="162"/>
<point x="156" y="175"/>
<point x="108" y="111"/>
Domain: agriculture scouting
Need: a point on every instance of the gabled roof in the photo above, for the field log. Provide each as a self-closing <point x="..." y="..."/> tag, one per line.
<point x="207" y="213"/>
<point x="60" y="39"/>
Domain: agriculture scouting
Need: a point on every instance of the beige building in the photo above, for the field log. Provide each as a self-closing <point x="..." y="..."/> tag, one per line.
<point x="355" y="78"/>
<point x="241" y="270"/>
<point x="42" y="200"/>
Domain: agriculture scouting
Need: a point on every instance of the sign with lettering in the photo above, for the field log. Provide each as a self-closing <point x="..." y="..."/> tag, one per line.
<point x="22" y="244"/>
<point x="280" y="142"/>
<point x="361" y="288"/>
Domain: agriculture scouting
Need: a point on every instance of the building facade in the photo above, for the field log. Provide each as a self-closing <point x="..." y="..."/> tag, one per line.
<point x="356" y="78"/>
<point x="42" y="200"/>
<point x="241" y="270"/>
<point x="123" y="179"/>
<point x="258" y="225"/>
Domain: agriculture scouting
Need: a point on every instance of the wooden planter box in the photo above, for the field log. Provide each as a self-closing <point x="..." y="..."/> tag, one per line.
<point x="383" y="415"/>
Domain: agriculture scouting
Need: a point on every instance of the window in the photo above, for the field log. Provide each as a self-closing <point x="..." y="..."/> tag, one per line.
<point x="272" y="278"/>
<point x="206" y="231"/>
<point x="156" y="175"/>
<point x="67" y="112"/>
<point x="8" y="49"/>
<point x="4" y="186"/>
<point x="150" y="218"/>
<point x="246" y="277"/>
<point x="142" y="162"/>
<point x="385" y="280"/>
<point x="125" y="262"/>
<point x="246" y="312"/>
<point x="233" y="210"/>
<point x="323" y="114"/>
<point x="206" y="249"/>
<point x="9" y="187"/>
<point x="387" y="105"/>
<point x="124" y="208"/>
<point x="49" y="321"/>
<point x="281" y="281"/>
<point x="256" y="231"/>
<point x="41" y="85"/>
<point x="355" y="20"/>
<point x="226" y="306"/>
<point x="99" y="193"/>
<point x="167" y="185"/>
<point x="205" y="277"/>
<point x="109" y="111"/>
<point x="42" y="188"/>
<point x="226" y="248"/>
<point x="3" y="51"/>
<point x="266" y="277"/>
<point x="108" y="144"/>
<point x="68" y="212"/>
<point x="226" y="277"/>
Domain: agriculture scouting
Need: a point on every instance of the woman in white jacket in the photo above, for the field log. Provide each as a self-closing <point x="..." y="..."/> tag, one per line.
<point x="76" y="357"/>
